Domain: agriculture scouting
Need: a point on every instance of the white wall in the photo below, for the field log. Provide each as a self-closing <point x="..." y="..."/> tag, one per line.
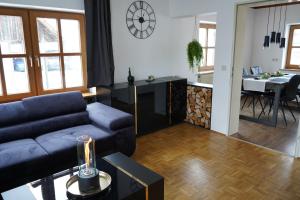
<point x="224" y="52"/>
<point x="75" y="5"/>
<point x="242" y="58"/>
<point x="182" y="30"/>
<point x="151" y="56"/>
<point x="270" y="59"/>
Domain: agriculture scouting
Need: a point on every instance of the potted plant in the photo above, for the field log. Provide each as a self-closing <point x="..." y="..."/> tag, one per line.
<point x="194" y="54"/>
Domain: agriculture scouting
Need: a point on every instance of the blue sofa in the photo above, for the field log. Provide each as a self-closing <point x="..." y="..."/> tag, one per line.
<point x="38" y="135"/>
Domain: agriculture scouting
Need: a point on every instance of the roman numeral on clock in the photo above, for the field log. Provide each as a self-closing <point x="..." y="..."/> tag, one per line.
<point x="135" y="6"/>
<point x="141" y="4"/>
<point x="131" y="27"/>
<point x="135" y="32"/>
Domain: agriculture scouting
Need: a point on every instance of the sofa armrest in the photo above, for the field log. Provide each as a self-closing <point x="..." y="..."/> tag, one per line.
<point x="108" y="117"/>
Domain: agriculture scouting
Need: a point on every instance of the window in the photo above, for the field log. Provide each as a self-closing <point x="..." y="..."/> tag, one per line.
<point x="207" y="39"/>
<point x="40" y="52"/>
<point x="293" y="51"/>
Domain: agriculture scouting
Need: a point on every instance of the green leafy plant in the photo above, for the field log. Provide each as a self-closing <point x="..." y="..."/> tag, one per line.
<point x="194" y="53"/>
<point x="265" y="75"/>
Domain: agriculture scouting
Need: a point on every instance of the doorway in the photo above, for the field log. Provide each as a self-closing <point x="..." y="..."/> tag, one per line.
<point x="256" y="116"/>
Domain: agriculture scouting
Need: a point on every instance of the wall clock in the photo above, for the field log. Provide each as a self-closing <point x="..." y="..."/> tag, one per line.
<point x="140" y="19"/>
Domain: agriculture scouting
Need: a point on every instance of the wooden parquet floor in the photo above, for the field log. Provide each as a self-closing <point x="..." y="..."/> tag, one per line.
<point x="201" y="164"/>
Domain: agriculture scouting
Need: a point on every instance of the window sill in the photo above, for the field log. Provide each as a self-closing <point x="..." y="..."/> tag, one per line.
<point x="205" y="72"/>
<point x="290" y="70"/>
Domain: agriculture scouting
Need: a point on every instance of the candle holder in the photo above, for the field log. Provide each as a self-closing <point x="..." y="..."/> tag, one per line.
<point x="88" y="174"/>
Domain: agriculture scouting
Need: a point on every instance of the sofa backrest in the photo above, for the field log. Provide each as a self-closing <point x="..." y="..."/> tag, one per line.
<point x="41" y="114"/>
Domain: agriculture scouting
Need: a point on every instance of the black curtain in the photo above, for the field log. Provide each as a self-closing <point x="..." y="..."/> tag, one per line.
<point x="100" y="61"/>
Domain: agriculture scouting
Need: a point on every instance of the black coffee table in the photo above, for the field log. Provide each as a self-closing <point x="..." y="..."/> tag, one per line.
<point x="130" y="180"/>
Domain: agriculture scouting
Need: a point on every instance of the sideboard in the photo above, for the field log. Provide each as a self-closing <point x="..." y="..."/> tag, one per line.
<point x="155" y="105"/>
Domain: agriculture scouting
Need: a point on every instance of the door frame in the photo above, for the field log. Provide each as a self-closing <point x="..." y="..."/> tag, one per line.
<point x="237" y="80"/>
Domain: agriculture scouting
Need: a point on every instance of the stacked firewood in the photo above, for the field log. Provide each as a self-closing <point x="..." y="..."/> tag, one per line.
<point x="199" y="100"/>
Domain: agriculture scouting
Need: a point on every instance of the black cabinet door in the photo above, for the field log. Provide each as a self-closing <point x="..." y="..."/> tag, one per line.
<point x="178" y="96"/>
<point x="152" y="107"/>
<point x="123" y="99"/>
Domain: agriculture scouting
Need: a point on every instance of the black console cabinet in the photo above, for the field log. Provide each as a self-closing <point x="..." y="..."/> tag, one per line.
<point x="155" y="105"/>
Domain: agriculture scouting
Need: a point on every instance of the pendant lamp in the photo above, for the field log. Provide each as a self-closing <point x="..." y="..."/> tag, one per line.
<point x="278" y="34"/>
<point x="283" y="39"/>
<point x="273" y="33"/>
<point x="267" y="37"/>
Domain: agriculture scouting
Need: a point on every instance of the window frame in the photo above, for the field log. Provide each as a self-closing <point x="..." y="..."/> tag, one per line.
<point x="290" y="47"/>
<point x="32" y="51"/>
<point x="207" y="26"/>
<point x="37" y="55"/>
<point x="28" y="52"/>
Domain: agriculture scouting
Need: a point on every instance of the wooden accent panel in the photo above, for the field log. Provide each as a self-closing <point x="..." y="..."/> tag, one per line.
<point x="201" y="164"/>
<point x="199" y="101"/>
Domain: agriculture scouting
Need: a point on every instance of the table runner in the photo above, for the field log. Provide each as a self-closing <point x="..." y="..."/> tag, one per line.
<point x="252" y="84"/>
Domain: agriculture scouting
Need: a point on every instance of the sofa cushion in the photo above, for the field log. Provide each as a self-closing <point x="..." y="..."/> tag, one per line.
<point x="108" y="117"/>
<point x="12" y="113"/>
<point x="36" y="128"/>
<point x="21" y="161"/>
<point x="62" y="144"/>
<point x="19" y="152"/>
<point x="46" y="106"/>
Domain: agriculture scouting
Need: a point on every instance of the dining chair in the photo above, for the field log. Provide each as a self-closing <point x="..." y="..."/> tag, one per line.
<point x="298" y="96"/>
<point x="245" y="72"/>
<point x="288" y="94"/>
<point x="256" y="70"/>
<point x="255" y="99"/>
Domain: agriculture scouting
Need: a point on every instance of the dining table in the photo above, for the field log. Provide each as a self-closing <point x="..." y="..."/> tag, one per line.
<point x="272" y="84"/>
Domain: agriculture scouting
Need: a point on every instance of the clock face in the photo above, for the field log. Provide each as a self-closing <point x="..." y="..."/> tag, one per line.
<point x="140" y="19"/>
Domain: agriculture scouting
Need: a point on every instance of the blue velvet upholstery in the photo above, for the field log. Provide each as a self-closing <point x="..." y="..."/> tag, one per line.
<point x="38" y="135"/>
<point x="20" y="162"/>
<point x="63" y="143"/>
<point x="41" y="107"/>
<point x="19" y="151"/>
<point x="12" y="113"/>
<point x="36" y="128"/>
<point x="108" y="117"/>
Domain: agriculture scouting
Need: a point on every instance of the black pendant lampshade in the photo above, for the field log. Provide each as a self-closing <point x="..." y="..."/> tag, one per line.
<point x="282" y="43"/>
<point x="267" y="37"/>
<point x="267" y="41"/>
<point x="273" y="33"/>
<point x="278" y="34"/>
<point x="273" y="37"/>
<point x="278" y="37"/>
<point x="283" y="39"/>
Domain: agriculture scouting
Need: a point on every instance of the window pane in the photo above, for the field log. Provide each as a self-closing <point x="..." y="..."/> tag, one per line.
<point x="202" y="37"/>
<point x="70" y="35"/>
<point x="210" y="57"/>
<point x="203" y="62"/>
<point x="11" y="35"/>
<point x="48" y="35"/>
<point x="51" y="73"/>
<point x="211" y="37"/>
<point x="73" y="71"/>
<point x="16" y="75"/>
<point x="296" y="37"/>
<point x="295" y="56"/>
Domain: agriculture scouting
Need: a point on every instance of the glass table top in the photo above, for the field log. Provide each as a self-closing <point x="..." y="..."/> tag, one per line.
<point x="123" y="186"/>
